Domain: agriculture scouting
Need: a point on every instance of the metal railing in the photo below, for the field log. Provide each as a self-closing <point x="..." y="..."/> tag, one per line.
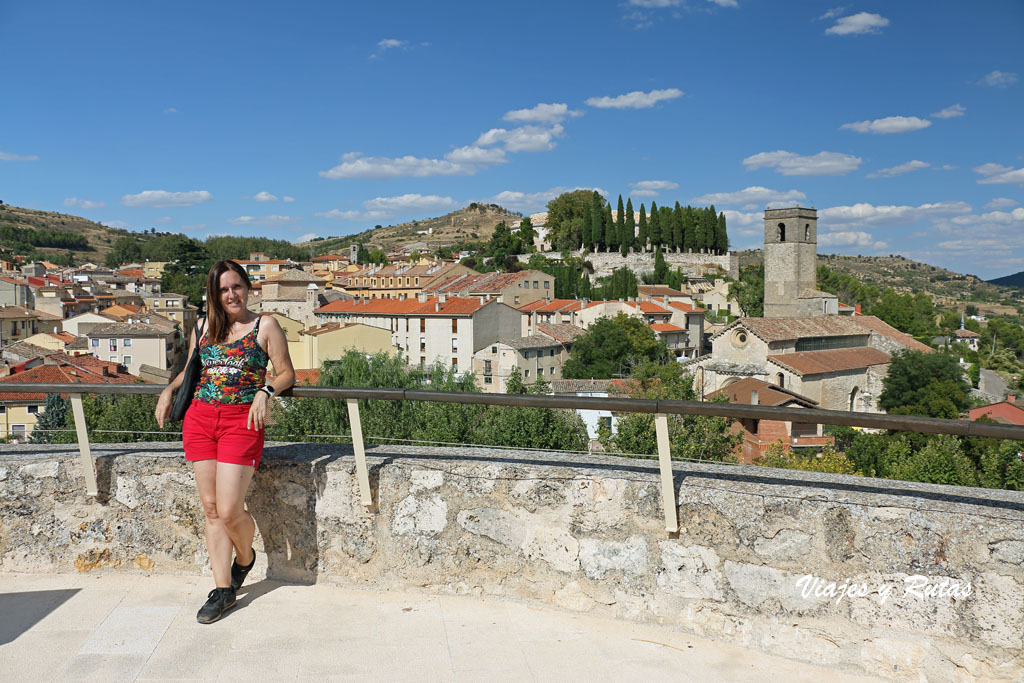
<point x="660" y="409"/>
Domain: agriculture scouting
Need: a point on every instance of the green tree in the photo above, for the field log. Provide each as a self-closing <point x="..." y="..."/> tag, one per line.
<point x="610" y="236"/>
<point x="1002" y="467"/>
<point x="660" y="267"/>
<point x="611" y="347"/>
<point x="597" y="220"/>
<point x="722" y="236"/>
<point x="527" y="233"/>
<point x="654" y="225"/>
<point x="620" y="224"/>
<point x="644" y="231"/>
<point x="54" y="414"/>
<point x="677" y="227"/>
<point x="120" y="418"/>
<point x="941" y="461"/>
<point x="749" y="290"/>
<point x="126" y="250"/>
<point x="565" y="207"/>
<point x="362" y="255"/>
<point x="629" y="239"/>
<point x="928" y="384"/>
<point x="826" y="460"/>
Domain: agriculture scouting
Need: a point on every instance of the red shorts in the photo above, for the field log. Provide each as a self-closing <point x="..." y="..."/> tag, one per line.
<point x="216" y="431"/>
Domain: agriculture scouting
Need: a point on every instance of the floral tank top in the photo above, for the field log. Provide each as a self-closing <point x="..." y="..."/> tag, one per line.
<point x="232" y="372"/>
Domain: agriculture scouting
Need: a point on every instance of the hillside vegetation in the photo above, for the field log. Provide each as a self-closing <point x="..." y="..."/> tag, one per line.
<point x="99" y="238"/>
<point x="473" y="223"/>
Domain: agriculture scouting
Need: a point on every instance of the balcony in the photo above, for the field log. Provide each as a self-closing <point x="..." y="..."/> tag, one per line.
<point x="436" y="537"/>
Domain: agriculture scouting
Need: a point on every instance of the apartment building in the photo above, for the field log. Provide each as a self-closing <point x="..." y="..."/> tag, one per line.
<point x="399" y="280"/>
<point x="135" y="344"/>
<point x="427" y="330"/>
<point x="259" y="267"/>
<point x="332" y="340"/>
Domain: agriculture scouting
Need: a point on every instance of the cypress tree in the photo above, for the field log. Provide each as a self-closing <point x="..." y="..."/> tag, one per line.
<point x="596" y="225"/>
<point x="629" y="239"/>
<point x="609" y="228"/>
<point x="586" y="238"/>
<point x="643" y="235"/>
<point x="711" y="229"/>
<point x="677" y="227"/>
<point x="620" y="225"/>
<point x="54" y="414"/>
<point x="654" y="226"/>
<point x="660" y="267"/>
<point x="689" y="228"/>
<point x="722" y="237"/>
<point x="698" y="233"/>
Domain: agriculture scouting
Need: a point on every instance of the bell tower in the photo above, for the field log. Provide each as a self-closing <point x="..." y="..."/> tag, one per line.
<point x="790" y="260"/>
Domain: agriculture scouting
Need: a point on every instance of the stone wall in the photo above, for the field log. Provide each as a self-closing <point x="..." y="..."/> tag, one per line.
<point x="582" y="534"/>
<point x="693" y="264"/>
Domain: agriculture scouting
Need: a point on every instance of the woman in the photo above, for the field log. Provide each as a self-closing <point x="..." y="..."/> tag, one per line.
<point x="223" y="428"/>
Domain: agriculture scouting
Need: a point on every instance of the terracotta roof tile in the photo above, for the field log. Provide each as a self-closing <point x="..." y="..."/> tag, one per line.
<point x="784" y="329"/>
<point x="685" y="308"/>
<point x="666" y="327"/>
<point x="767" y="394"/>
<point x="830" y="360"/>
<point x="560" y="331"/>
<point x="876" y="324"/>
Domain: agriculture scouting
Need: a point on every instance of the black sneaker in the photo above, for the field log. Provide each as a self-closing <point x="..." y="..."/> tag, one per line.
<point x="220" y="601"/>
<point x="238" y="572"/>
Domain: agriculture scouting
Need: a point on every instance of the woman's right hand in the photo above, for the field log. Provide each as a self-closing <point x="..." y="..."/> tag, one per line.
<point x="163" y="407"/>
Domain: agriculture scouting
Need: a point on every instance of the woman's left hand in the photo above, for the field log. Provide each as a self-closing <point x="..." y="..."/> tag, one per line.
<point x="258" y="412"/>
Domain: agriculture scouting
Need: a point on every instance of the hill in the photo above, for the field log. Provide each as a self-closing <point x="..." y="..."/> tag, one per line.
<point x="99" y="237"/>
<point x="945" y="287"/>
<point x="1015" y="280"/>
<point x="473" y="223"/>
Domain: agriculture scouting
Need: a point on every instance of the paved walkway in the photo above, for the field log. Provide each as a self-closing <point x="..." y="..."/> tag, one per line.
<point x="123" y="627"/>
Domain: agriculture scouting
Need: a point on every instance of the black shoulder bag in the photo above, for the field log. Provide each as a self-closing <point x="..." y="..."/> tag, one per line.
<point x="183" y="399"/>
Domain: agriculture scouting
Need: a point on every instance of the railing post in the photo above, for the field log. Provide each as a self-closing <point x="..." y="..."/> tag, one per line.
<point x="668" y="487"/>
<point x="362" y="473"/>
<point x="84" y="451"/>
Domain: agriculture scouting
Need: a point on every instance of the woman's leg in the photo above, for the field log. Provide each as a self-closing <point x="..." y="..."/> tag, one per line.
<point x="232" y="484"/>
<point x="218" y="539"/>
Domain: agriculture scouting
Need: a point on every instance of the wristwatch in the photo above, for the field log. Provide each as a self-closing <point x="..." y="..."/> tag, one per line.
<point x="267" y="389"/>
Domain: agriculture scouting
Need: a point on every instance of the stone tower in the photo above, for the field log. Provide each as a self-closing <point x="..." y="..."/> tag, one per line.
<point x="791" y="263"/>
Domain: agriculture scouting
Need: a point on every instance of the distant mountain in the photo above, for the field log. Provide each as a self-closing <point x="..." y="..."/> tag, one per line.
<point x="1015" y="280"/>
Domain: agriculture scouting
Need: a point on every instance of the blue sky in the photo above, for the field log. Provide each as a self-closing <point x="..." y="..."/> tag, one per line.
<point x="900" y="122"/>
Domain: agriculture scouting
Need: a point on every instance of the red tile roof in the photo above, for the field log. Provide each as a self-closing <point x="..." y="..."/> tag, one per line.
<point x="784" y="329"/>
<point x="648" y="307"/>
<point x="665" y="327"/>
<point x="64" y="369"/>
<point x="560" y="332"/>
<point x="767" y="394"/>
<point x="883" y="328"/>
<point x="830" y="360"/>
<point x="685" y="308"/>
<point x="966" y="334"/>
<point x="411" y="307"/>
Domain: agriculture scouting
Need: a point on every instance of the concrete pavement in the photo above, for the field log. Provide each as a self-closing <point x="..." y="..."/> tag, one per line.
<point x="133" y="627"/>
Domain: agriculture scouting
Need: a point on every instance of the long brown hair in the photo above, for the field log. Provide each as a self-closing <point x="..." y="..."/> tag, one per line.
<point x="216" y="319"/>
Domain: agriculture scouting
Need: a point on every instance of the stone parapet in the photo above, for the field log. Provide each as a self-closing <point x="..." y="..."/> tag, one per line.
<point x="864" y="575"/>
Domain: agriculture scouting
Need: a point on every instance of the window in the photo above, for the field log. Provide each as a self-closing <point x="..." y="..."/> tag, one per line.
<point x="113" y="359"/>
<point x="551" y="370"/>
<point x="423" y="362"/>
<point x="17" y="429"/>
<point x="3" y="409"/>
<point x="455" y="364"/>
<point x="552" y="353"/>
<point x="423" y="344"/>
<point x="423" y="324"/>
<point x="516" y="300"/>
<point x="95" y="343"/>
<point x="33" y="410"/>
<point x="821" y="343"/>
<point x="406" y="324"/>
<point x="126" y="342"/>
<point x="455" y="343"/>
<point x="547" y="284"/>
<point x="487" y="367"/>
<point x="494" y="349"/>
<point x="455" y="325"/>
<point x="527" y="355"/>
<point x="526" y="373"/>
<point x="807" y="231"/>
<point x="127" y="360"/>
<point x="782" y="232"/>
<point x="487" y="380"/>
<point x="536" y="285"/>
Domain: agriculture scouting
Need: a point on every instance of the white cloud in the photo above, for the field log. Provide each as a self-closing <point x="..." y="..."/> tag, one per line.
<point x="389" y="43"/>
<point x="339" y="215"/>
<point x="170" y="110"/>
<point x="83" y="203"/>
<point x="262" y="220"/>
<point x="832" y="13"/>
<point x="542" y="113"/>
<point x="864" y="214"/>
<point x="522" y="139"/>
<point x="951" y="112"/>
<point x="725" y="3"/>
<point x="354" y="165"/>
<point x="1001" y="203"/>
<point x="635" y="100"/>
<point x="862" y="22"/>
<point x="306" y="238"/>
<point x="7" y="156"/>
<point x="655" y="4"/>
<point x="991" y="242"/>
<point x="790" y="163"/>
<point x="409" y="202"/>
<point x="529" y="202"/>
<point x="850" y="238"/>
<point x="120" y="225"/>
<point x="890" y="124"/>
<point x="163" y="199"/>
<point x="908" y="167"/>
<point x="996" y="174"/>
<point x="286" y="198"/>
<point x="477" y="156"/>
<point x="754" y="195"/>
<point x="264" y="196"/>
<point x="651" y="188"/>
<point x="163" y="219"/>
<point x="999" y="79"/>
